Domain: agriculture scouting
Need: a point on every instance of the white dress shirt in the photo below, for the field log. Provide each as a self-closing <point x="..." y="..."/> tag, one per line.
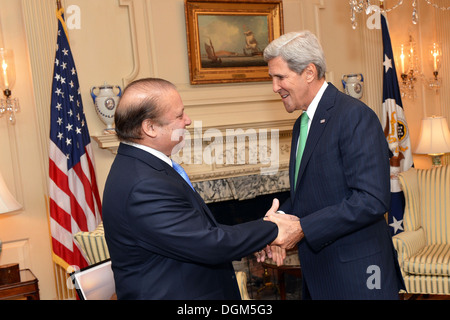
<point x="154" y="152"/>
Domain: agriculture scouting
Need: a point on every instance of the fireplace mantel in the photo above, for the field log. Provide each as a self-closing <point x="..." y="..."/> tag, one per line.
<point x="226" y="163"/>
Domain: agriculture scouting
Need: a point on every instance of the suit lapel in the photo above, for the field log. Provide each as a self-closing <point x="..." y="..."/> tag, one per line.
<point x="318" y="125"/>
<point x="160" y="165"/>
<point x="294" y="143"/>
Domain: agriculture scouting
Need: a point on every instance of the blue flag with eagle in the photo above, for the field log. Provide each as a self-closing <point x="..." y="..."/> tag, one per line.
<point x="395" y="130"/>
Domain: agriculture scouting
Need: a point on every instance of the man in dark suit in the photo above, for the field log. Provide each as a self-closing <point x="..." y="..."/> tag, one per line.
<point x="163" y="240"/>
<point x="342" y="188"/>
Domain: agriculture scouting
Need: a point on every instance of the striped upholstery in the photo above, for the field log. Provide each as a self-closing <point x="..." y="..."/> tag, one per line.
<point x="93" y="244"/>
<point x="432" y="260"/>
<point x="424" y="246"/>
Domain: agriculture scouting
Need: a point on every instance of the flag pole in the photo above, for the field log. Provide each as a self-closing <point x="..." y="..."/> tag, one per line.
<point x="58" y="4"/>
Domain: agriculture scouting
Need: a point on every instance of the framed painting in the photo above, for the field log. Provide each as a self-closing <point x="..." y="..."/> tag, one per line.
<point x="226" y="39"/>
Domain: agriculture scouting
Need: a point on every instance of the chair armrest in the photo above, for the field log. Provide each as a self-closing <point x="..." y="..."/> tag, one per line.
<point x="241" y="278"/>
<point x="408" y="243"/>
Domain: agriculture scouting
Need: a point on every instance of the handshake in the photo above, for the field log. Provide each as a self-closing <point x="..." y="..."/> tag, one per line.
<point x="289" y="234"/>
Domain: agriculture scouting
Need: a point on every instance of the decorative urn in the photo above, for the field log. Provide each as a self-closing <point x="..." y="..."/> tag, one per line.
<point x="353" y="84"/>
<point x="106" y="101"/>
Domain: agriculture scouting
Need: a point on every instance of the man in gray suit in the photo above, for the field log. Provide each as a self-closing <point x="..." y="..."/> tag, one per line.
<point x="340" y="185"/>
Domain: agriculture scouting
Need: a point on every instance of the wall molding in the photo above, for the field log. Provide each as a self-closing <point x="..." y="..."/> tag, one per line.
<point x="372" y="51"/>
<point x="40" y="27"/>
<point x="132" y="24"/>
<point x="17" y="251"/>
<point x="318" y="5"/>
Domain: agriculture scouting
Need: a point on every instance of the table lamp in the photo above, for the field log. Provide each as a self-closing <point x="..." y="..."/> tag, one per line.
<point x="434" y="139"/>
<point x="7" y="202"/>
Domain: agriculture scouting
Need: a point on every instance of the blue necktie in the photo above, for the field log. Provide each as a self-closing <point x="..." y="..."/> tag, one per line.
<point x="301" y="143"/>
<point x="182" y="173"/>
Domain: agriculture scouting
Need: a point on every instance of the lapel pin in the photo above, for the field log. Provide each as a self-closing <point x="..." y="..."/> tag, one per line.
<point x="322" y="121"/>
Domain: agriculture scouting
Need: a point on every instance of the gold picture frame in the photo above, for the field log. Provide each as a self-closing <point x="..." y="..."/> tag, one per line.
<point x="226" y="39"/>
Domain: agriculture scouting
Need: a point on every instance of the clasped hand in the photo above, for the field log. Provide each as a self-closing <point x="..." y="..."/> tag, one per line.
<point x="289" y="234"/>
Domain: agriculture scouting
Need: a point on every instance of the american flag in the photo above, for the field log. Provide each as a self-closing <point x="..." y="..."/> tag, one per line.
<point x="396" y="131"/>
<point x="74" y="199"/>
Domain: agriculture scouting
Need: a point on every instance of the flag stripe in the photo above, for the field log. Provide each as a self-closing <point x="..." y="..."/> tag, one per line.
<point x="83" y="175"/>
<point x="58" y="179"/>
<point x="82" y="198"/>
<point x="59" y="214"/>
<point x="66" y="254"/>
<point x="74" y="199"/>
<point x="90" y="157"/>
<point x="60" y="233"/>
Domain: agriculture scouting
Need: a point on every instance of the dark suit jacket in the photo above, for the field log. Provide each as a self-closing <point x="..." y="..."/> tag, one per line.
<point x="163" y="240"/>
<point x="342" y="195"/>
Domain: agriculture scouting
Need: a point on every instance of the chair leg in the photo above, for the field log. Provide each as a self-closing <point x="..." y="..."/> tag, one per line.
<point x="408" y="296"/>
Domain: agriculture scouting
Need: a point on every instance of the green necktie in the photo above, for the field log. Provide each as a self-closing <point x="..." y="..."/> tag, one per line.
<point x="301" y="143"/>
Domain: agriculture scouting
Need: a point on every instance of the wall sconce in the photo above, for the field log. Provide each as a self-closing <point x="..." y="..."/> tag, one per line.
<point x="409" y="66"/>
<point x="434" y="139"/>
<point x="7" y="80"/>
<point x="435" y="58"/>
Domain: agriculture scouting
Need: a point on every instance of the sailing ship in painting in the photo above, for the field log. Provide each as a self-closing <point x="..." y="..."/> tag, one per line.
<point x="251" y="45"/>
<point x="212" y="53"/>
<point x="251" y="54"/>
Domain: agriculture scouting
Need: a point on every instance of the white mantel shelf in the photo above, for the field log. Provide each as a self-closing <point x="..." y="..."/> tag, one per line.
<point x="107" y="141"/>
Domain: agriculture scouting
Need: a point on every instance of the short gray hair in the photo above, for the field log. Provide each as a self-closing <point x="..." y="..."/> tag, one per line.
<point x="298" y="49"/>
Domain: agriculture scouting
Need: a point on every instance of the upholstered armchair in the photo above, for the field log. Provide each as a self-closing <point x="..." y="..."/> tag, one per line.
<point x="424" y="246"/>
<point x="93" y="244"/>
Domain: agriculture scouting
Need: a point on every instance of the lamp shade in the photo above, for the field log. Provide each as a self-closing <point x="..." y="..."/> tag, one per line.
<point x="7" y="201"/>
<point x="434" y="136"/>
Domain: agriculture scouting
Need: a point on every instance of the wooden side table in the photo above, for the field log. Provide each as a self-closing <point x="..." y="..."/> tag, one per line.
<point x="291" y="266"/>
<point x="281" y="271"/>
<point x="27" y="287"/>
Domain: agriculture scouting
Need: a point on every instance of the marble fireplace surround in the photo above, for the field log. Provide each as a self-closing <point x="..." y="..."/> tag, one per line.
<point x="241" y="179"/>
<point x="243" y="187"/>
